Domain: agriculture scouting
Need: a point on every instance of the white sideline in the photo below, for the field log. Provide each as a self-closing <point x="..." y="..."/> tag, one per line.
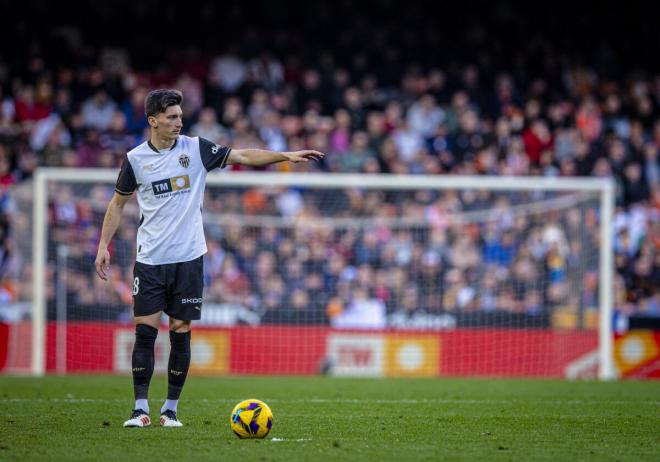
<point x="287" y="440"/>
<point x="340" y="401"/>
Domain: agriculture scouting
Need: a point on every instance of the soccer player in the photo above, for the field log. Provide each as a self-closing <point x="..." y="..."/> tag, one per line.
<point x="169" y="174"/>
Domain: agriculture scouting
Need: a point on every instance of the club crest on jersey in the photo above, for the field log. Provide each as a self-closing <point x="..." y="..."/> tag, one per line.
<point x="184" y="160"/>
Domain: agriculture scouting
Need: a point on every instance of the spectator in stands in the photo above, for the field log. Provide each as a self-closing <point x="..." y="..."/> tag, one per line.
<point x="207" y="126"/>
<point x="28" y="108"/>
<point x="229" y="71"/>
<point x="97" y="111"/>
<point x="424" y="116"/>
<point x="133" y="109"/>
<point x="361" y="312"/>
<point x="89" y="150"/>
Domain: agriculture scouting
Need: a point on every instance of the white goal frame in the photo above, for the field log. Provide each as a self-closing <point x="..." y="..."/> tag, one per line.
<point x="604" y="187"/>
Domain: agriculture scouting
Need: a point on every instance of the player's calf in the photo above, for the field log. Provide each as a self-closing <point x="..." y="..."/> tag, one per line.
<point x="143" y="361"/>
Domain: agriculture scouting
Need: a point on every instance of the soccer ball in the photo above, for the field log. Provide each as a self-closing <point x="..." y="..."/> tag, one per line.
<point x="251" y="419"/>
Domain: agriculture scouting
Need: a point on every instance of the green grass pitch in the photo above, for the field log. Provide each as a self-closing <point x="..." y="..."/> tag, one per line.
<point x="328" y="419"/>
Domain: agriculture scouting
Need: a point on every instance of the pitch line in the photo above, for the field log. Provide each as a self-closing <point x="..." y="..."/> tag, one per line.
<point x="74" y="400"/>
<point x="289" y="440"/>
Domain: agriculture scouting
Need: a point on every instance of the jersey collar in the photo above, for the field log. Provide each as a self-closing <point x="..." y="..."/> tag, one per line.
<point x="153" y="148"/>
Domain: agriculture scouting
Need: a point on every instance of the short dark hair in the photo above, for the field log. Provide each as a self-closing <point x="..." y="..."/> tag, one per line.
<point x="158" y="101"/>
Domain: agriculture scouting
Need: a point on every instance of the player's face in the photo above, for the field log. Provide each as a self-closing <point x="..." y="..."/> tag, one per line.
<point x="168" y="124"/>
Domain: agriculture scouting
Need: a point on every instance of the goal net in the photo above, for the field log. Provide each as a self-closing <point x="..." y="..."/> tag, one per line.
<point x="378" y="275"/>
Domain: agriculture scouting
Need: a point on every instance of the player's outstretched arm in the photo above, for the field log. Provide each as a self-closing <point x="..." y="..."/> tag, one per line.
<point x="262" y="157"/>
<point x="110" y="224"/>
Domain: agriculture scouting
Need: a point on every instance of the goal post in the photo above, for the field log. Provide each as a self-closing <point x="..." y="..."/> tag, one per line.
<point x="551" y="196"/>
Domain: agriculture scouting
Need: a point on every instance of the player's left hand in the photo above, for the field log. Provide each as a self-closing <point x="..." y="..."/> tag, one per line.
<point x="304" y="156"/>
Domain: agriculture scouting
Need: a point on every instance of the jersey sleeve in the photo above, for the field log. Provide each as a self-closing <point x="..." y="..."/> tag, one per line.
<point x="213" y="155"/>
<point x="126" y="182"/>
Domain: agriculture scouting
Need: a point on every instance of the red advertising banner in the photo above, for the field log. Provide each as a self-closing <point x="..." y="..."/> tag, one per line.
<point x="637" y="354"/>
<point x="4" y="344"/>
<point x="308" y="350"/>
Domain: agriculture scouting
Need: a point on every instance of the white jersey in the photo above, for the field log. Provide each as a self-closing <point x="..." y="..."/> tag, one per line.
<point x="170" y="191"/>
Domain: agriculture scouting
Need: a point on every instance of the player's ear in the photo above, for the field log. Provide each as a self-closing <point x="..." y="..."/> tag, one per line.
<point x="153" y="123"/>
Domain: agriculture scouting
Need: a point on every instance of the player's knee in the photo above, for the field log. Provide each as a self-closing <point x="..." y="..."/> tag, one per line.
<point x="145" y="334"/>
<point x="179" y="326"/>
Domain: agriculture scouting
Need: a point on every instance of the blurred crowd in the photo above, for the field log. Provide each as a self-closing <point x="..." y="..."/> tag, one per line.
<point x="369" y="116"/>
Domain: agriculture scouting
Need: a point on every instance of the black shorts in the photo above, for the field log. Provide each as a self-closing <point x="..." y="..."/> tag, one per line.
<point x="175" y="288"/>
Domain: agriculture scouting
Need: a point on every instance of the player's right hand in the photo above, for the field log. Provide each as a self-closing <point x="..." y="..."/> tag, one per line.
<point x="103" y="263"/>
<point x="304" y="156"/>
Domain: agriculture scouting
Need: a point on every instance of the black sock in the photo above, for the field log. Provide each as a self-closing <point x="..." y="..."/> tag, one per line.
<point x="143" y="359"/>
<point x="177" y="367"/>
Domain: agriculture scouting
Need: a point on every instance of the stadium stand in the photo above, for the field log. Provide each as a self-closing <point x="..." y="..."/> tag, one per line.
<point x="410" y="101"/>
